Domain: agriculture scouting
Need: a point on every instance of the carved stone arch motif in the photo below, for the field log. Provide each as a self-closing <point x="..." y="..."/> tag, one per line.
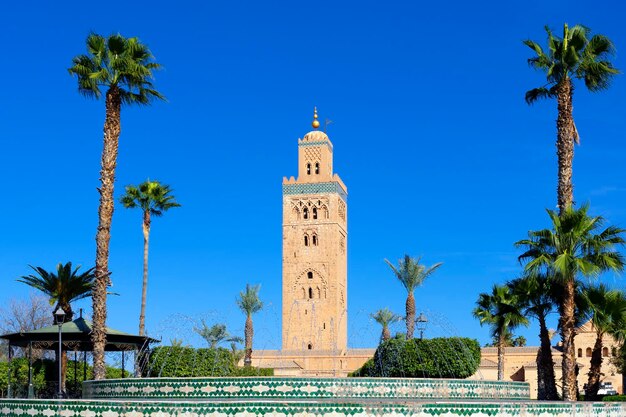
<point x="302" y="277"/>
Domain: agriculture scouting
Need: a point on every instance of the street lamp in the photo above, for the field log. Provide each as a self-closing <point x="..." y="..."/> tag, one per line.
<point x="421" y="321"/>
<point x="60" y="318"/>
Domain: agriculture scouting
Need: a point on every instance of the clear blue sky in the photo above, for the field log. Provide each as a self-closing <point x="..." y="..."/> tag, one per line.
<point x="440" y="153"/>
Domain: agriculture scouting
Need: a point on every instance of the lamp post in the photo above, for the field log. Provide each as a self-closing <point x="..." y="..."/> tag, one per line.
<point x="60" y="317"/>
<point x="421" y="321"/>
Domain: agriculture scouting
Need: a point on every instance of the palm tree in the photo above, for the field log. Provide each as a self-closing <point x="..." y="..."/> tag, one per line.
<point x="574" y="56"/>
<point x="535" y="294"/>
<point x="501" y="311"/>
<point x="573" y="247"/>
<point x="249" y="303"/>
<point x="607" y="309"/>
<point x="123" y="67"/>
<point x="411" y="274"/>
<point x="63" y="288"/>
<point x="385" y="317"/>
<point x="214" y="335"/>
<point x="153" y="198"/>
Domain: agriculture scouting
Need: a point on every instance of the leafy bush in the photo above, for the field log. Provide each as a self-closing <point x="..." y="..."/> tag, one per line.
<point x="454" y="357"/>
<point x="621" y="398"/>
<point x="185" y="361"/>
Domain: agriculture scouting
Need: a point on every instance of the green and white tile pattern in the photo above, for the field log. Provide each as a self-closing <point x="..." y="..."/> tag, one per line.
<point x="303" y="388"/>
<point x="144" y="408"/>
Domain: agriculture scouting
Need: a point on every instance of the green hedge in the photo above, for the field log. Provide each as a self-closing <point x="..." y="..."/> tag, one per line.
<point x="454" y="357"/>
<point x="620" y="398"/>
<point x="181" y="361"/>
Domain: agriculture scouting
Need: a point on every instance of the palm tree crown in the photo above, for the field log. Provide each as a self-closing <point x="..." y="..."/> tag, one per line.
<point x="63" y="287"/>
<point x="116" y="61"/>
<point x="575" y="55"/>
<point x="249" y="301"/>
<point x="149" y="196"/>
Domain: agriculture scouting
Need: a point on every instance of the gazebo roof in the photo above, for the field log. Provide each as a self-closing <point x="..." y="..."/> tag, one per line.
<point x="76" y="335"/>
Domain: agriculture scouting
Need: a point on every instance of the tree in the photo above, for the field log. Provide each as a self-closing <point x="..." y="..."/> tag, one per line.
<point x="411" y="274"/>
<point x="536" y="295"/>
<point x="62" y="288"/>
<point x="500" y="310"/>
<point x="574" y="56"/>
<point x="153" y="198"/>
<point x="123" y="67"/>
<point x="385" y="317"/>
<point x="23" y="315"/>
<point x="607" y="309"/>
<point x="573" y="247"/>
<point x="216" y="334"/>
<point x="249" y="303"/>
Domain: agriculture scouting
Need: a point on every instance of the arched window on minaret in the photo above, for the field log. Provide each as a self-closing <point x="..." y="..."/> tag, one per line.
<point x="588" y="352"/>
<point x="310" y="292"/>
<point x="314" y="240"/>
<point x="305" y="213"/>
<point x="308" y="169"/>
<point x="314" y="213"/>
<point x="580" y="353"/>
<point x="317" y="167"/>
<point x="306" y="240"/>
<point x="605" y="351"/>
<point x="309" y="275"/>
<point x="310" y="346"/>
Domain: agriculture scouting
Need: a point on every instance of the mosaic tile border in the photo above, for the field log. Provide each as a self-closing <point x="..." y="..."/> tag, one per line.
<point x="315" y="188"/>
<point x="303" y="388"/>
<point x="316" y="143"/>
<point x="112" y="408"/>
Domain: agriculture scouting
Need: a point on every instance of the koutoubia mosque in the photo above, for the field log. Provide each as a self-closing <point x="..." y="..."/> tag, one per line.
<point x="315" y="285"/>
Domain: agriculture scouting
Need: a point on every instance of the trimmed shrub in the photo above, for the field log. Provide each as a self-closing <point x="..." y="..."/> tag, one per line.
<point x="621" y="398"/>
<point x="179" y="361"/>
<point x="453" y="357"/>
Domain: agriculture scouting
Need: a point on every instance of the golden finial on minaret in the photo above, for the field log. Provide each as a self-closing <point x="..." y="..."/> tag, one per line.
<point x="315" y="123"/>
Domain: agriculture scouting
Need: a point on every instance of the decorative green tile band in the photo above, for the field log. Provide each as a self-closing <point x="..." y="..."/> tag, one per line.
<point x="306" y="388"/>
<point x="316" y="143"/>
<point x="137" y="408"/>
<point x="315" y="188"/>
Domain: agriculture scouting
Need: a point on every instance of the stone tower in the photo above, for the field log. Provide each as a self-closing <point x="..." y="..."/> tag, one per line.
<point x="315" y="243"/>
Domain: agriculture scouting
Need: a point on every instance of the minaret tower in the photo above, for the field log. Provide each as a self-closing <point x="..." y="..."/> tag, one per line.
<point x="315" y="244"/>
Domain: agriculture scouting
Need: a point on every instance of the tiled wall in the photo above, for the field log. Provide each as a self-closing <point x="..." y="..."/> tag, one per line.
<point x="113" y="408"/>
<point x="303" y="388"/>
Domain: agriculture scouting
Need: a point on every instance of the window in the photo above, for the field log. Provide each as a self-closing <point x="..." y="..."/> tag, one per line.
<point x="305" y="213"/>
<point x="314" y="213"/>
<point x="310" y="346"/>
<point x="310" y="292"/>
<point x="306" y="240"/>
<point x="588" y="352"/>
<point x="309" y="275"/>
<point x="314" y="240"/>
<point x="324" y="326"/>
<point x="580" y="353"/>
<point x="317" y="167"/>
<point x="605" y="351"/>
<point x="308" y="169"/>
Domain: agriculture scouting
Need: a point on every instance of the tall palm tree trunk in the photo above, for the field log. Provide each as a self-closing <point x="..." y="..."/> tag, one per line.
<point x="565" y="144"/>
<point x="249" y="333"/>
<point x="410" y="315"/>
<point x="144" y="288"/>
<point x="112" y="131"/>
<point x="501" y="340"/>
<point x="546" y="382"/>
<point x="567" y="323"/>
<point x="595" y="368"/>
